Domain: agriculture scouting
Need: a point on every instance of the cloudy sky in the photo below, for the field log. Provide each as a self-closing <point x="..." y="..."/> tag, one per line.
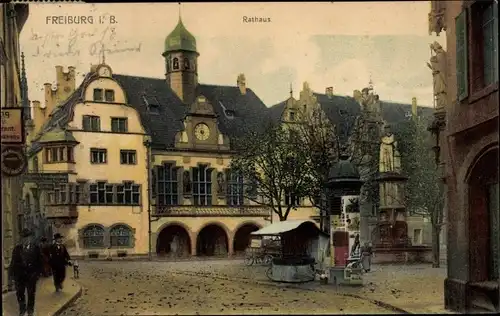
<point x="326" y="44"/>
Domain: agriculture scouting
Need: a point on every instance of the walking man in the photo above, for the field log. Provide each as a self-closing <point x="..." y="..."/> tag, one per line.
<point x="59" y="259"/>
<point x="25" y="267"/>
<point x="45" y="246"/>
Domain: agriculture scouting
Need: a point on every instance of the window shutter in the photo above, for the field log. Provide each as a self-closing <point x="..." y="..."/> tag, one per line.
<point x="462" y="62"/>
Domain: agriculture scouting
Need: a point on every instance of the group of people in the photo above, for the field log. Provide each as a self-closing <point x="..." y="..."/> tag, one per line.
<point x="364" y="253"/>
<point x="31" y="260"/>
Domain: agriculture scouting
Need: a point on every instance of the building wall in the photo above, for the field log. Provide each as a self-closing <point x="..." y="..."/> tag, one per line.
<point x="12" y="17"/>
<point x="471" y="128"/>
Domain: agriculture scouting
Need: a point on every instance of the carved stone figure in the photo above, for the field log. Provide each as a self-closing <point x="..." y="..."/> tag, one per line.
<point x="187" y="182"/>
<point x="368" y="100"/>
<point x="438" y="66"/>
<point x="437" y="21"/>
<point x="390" y="159"/>
<point x="220" y="184"/>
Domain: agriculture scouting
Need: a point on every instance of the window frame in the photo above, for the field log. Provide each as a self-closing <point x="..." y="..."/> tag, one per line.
<point x="101" y="93"/>
<point x="202" y="181"/>
<point x="128" y="154"/>
<point x="91" y="123"/>
<point x="114" y="238"/>
<point x="477" y="84"/>
<point x="117" y="128"/>
<point x="235" y="188"/>
<point x="111" y="92"/>
<point x="86" y="236"/>
<point x="167" y="185"/>
<point x="98" y="151"/>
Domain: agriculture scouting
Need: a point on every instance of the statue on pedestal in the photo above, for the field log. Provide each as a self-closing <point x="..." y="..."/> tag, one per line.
<point x="390" y="159"/>
<point x="438" y="66"/>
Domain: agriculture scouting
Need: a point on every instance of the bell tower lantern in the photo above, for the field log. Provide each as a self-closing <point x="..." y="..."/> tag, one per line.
<point x="181" y="62"/>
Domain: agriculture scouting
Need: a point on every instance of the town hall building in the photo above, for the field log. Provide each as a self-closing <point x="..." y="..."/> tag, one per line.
<point x="136" y="165"/>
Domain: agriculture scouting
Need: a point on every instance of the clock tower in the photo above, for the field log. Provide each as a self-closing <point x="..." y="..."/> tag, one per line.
<point x="201" y="130"/>
<point x="181" y="63"/>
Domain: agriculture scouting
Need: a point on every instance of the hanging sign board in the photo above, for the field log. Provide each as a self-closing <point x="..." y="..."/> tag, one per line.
<point x="12" y="126"/>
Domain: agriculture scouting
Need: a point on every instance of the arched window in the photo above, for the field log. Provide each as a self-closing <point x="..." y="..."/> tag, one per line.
<point x="93" y="237"/>
<point x="186" y="63"/>
<point x="168" y="64"/>
<point x="120" y="236"/>
<point x="176" y="63"/>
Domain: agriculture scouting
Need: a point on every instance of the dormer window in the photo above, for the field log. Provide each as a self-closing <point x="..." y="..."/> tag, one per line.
<point x="98" y="95"/>
<point x="175" y="65"/>
<point x="109" y="95"/>
<point x="292" y="116"/>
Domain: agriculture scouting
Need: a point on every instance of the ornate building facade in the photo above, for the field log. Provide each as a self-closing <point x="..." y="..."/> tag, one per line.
<point x="141" y="165"/>
<point x="13" y="18"/>
<point x="469" y="150"/>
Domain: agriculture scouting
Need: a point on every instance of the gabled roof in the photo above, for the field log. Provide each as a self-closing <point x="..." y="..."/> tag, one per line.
<point x="236" y="113"/>
<point x="62" y="114"/>
<point x="342" y="110"/>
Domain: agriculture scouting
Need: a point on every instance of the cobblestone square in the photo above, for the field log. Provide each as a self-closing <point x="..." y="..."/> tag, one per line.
<point x="230" y="287"/>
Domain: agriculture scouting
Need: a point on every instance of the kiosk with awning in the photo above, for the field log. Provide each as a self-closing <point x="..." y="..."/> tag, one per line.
<point x="303" y="245"/>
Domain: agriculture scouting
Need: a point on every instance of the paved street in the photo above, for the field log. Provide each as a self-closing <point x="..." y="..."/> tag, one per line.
<point x="202" y="287"/>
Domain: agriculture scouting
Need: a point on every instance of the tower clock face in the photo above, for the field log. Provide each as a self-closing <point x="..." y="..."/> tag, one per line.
<point x="104" y="71"/>
<point x="202" y="131"/>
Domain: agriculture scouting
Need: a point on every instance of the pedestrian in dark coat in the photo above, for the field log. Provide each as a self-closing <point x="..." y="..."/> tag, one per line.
<point x="47" y="271"/>
<point x="25" y="268"/>
<point x="59" y="259"/>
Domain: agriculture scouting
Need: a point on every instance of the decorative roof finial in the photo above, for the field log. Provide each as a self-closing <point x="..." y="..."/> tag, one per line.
<point x="370" y="83"/>
<point x="180" y="16"/>
<point x="291" y="90"/>
<point x="103" y="54"/>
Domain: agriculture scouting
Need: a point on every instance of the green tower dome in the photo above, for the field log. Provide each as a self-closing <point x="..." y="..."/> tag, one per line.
<point x="180" y="39"/>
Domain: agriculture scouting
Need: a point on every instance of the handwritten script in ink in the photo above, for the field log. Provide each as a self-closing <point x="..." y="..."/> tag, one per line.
<point x="76" y="43"/>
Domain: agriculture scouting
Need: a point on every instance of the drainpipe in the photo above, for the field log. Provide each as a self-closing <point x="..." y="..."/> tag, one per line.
<point x="147" y="143"/>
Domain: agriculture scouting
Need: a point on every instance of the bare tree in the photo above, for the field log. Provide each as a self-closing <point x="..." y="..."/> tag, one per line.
<point x="274" y="168"/>
<point x="320" y="144"/>
<point x="424" y="191"/>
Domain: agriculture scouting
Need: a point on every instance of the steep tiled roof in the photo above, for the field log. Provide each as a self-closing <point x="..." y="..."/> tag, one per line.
<point x="236" y="112"/>
<point x="62" y="114"/>
<point x="342" y="110"/>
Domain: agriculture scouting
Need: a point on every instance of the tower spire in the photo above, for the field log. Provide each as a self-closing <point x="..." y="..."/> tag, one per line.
<point x="370" y="83"/>
<point x="25" y="103"/>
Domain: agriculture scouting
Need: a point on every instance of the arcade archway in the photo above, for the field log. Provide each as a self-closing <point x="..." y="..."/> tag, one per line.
<point x="212" y="241"/>
<point x="242" y="237"/>
<point x="173" y="241"/>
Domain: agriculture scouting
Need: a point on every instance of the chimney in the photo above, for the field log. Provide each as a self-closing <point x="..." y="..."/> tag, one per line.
<point x="241" y="82"/>
<point x="414" y="107"/>
<point x="39" y="115"/>
<point x="48" y="97"/>
<point x="329" y="92"/>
